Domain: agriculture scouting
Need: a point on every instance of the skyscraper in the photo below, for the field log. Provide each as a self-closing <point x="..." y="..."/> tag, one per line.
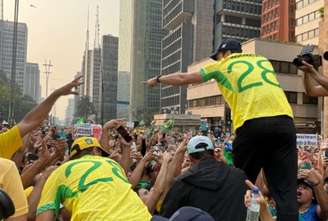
<point x="123" y="94"/>
<point x="278" y="20"/>
<point x="177" y="51"/>
<point x="32" y="81"/>
<point x="307" y="21"/>
<point x="146" y="58"/>
<point x="6" y="46"/>
<point x="109" y="77"/>
<point x="240" y="20"/>
<point x="125" y="54"/>
<point x="95" y="81"/>
<point x="140" y="53"/>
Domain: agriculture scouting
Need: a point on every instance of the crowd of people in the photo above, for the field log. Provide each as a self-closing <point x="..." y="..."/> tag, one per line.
<point x="159" y="174"/>
<point x="51" y="174"/>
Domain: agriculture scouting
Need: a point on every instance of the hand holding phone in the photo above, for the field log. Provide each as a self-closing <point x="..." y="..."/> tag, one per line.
<point x="124" y="133"/>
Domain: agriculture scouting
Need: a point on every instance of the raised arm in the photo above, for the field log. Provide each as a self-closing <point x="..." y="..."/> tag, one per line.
<point x="34" y="118"/>
<point x="311" y="80"/>
<point x="159" y="185"/>
<point x="137" y="172"/>
<point x="176" y="79"/>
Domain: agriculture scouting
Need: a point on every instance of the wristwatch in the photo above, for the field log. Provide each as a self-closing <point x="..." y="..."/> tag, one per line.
<point x="158" y="79"/>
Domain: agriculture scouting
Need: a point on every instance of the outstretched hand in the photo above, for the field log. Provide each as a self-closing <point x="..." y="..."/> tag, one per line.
<point x="307" y="68"/>
<point x="68" y="88"/>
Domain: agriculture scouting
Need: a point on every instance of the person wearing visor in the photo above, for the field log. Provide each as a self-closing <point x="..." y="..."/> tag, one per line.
<point x="209" y="184"/>
<point x="262" y="118"/>
<point x="90" y="187"/>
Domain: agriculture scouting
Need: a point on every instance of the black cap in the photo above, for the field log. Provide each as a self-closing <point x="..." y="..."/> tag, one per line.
<point x="229" y="44"/>
<point x="187" y="214"/>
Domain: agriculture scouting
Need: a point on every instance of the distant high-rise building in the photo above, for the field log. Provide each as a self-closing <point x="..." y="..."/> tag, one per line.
<point x="240" y="20"/>
<point x="140" y="53"/>
<point x="32" y="81"/>
<point x="278" y="20"/>
<point x="95" y="81"/>
<point x="6" y="48"/>
<point x="69" y="114"/>
<point x="189" y="37"/>
<point x="177" y="51"/>
<point x="124" y="55"/>
<point x="307" y="21"/>
<point x="109" y="61"/>
<point x="123" y="94"/>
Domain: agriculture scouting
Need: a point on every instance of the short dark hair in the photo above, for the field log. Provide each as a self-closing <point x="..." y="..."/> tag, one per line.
<point x="204" y="155"/>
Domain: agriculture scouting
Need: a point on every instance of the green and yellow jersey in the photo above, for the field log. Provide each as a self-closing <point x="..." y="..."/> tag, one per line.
<point x="249" y="85"/>
<point x="92" y="188"/>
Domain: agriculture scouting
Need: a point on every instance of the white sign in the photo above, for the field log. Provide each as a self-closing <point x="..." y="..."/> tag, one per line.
<point x="310" y="140"/>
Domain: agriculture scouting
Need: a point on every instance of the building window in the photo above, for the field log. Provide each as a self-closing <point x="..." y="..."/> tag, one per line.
<point x="291" y="97"/>
<point x="309" y="100"/>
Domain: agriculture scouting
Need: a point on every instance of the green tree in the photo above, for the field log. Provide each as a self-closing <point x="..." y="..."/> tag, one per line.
<point x="85" y="108"/>
<point x="22" y="103"/>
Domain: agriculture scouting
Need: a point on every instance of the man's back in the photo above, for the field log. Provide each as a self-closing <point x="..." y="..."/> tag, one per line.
<point x="93" y="188"/>
<point x="249" y="85"/>
<point x="211" y="186"/>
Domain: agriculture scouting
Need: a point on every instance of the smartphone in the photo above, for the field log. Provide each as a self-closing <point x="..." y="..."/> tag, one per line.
<point x="143" y="147"/>
<point x="124" y="133"/>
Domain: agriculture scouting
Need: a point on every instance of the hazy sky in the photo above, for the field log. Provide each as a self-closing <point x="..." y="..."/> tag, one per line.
<point x="57" y="31"/>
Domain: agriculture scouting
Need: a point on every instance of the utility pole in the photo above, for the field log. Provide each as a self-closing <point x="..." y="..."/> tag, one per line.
<point x="11" y="112"/>
<point x="47" y="71"/>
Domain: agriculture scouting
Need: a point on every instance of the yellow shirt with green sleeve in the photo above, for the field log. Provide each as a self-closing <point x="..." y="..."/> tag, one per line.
<point x="249" y="85"/>
<point x="92" y="188"/>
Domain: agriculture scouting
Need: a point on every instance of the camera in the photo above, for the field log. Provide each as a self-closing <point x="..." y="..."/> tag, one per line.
<point x="7" y="207"/>
<point x="308" y="56"/>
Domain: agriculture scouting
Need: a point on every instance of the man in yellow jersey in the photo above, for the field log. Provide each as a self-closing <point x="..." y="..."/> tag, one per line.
<point x="262" y="118"/>
<point x="91" y="187"/>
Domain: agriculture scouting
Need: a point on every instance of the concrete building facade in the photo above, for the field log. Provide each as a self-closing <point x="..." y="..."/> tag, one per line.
<point x="189" y="37"/>
<point x="307" y="21"/>
<point x="32" y="81"/>
<point x="6" y="47"/>
<point x="206" y="99"/>
<point x="145" y="58"/>
<point x="109" y="65"/>
<point x="125" y="56"/>
<point x="278" y="20"/>
<point x="237" y="19"/>
<point x="123" y="95"/>
<point x="96" y="82"/>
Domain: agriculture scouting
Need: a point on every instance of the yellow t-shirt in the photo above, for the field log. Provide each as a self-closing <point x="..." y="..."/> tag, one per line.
<point x="92" y="188"/>
<point x="10" y="142"/>
<point x="10" y="182"/>
<point x="249" y="85"/>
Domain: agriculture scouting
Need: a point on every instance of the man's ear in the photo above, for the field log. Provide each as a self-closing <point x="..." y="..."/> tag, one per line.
<point x="96" y="151"/>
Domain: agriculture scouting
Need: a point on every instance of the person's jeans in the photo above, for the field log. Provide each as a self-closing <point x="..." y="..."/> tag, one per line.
<point x="270" y="143"/>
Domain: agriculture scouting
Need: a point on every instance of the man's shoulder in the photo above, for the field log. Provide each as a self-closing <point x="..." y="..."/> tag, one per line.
<point x="6" y="164"/>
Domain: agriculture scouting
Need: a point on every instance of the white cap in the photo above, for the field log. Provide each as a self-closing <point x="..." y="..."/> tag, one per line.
<point x="192" y="145"/>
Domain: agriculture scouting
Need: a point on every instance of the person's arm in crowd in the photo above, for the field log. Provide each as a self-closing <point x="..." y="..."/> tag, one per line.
<point x="34" y="198"/>
<point x="125" y="158"/>
<point x="177" y="79"/>
<point x="158" y="188"/>
<point x="176" y="198"/>
<point x="34" y="118"/>
<point x="264" y="211"/>
<point x="322" y="197"/>
<point x="137" y="172"/>
<point x="46" y="216"/>
<point x="104" y="141"/>
<point x="175" y="165"/>
<point x="312" y="76"/>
